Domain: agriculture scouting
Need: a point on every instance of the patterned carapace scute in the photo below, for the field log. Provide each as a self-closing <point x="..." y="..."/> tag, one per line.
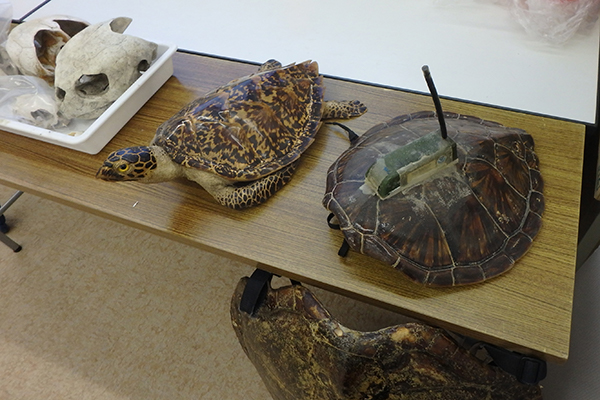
<point x="250" y="127"/>
<point x="301" y="352"/>
<point x="466" y="224"/>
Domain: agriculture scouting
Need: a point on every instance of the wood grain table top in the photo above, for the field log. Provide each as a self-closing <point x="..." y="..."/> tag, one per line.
<point x="527" y="309"/>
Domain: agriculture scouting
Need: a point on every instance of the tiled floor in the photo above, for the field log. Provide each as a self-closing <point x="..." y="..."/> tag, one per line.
<point x="92" y="309"/>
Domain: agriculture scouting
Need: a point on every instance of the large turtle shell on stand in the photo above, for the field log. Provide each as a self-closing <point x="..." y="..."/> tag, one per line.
<point x="470" y="222"/>
<point x="302" y="353"/>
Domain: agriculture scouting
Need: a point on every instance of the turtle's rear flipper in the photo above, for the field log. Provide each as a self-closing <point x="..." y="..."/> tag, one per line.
<point x="256" y="192"/>
<point x="343" y="109"/>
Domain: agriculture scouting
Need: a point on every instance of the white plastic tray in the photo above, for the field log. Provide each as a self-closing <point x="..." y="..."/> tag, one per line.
<point x="98" y="132"/>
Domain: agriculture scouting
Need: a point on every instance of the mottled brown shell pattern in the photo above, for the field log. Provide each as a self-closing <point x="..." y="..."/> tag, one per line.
<point x="302" y="353"/>
<point x="464" y="226"/>
<point x="250" y="127"/>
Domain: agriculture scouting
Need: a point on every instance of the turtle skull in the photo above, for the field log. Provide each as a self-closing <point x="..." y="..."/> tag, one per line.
<point x="34" y="45"/>
<point x="97" y="66"/>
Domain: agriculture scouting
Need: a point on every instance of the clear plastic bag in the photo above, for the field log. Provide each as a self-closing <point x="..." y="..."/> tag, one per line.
<point x="6" y="65"/>
<point x="28" y="99"/>
<point x="555" y="20"/>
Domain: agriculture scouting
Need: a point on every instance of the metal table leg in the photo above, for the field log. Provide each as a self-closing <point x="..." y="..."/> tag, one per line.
<point x="4" y="227"/>
<point x="10" y="243"/>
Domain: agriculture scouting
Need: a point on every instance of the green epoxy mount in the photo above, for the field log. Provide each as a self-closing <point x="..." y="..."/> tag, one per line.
<point x="410" y="164"/>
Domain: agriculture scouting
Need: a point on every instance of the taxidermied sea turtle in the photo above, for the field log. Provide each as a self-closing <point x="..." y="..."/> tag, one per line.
<point x="464" y="223"/>
<point x="302" y="352"/>
<point x="241" y="142"/>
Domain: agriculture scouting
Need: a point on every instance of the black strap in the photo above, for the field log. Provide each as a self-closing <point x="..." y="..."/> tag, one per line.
<point x="528" y="370"/>
<point x="353" y="137"/>
<point x="256" y="290"/>
<point x="331" y="224"/>
<point x="345" y="247"/>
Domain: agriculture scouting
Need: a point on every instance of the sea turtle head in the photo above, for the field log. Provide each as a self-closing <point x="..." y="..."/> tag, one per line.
<point x="129" y="164"/>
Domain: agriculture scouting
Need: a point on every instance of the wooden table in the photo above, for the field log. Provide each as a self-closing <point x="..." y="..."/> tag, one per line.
<point x="527" y="309"/>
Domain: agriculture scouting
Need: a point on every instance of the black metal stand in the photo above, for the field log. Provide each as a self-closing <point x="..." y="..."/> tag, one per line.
<point x="4" y="228"/>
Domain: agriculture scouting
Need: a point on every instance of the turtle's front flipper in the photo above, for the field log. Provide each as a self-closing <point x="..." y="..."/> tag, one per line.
<point x="269" y="65"/>
<point x="256" y="192"/>
<point x="343" y="109"/>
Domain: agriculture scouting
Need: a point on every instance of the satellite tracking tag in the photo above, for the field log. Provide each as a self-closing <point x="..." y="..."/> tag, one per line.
<point x="410" y="164"/>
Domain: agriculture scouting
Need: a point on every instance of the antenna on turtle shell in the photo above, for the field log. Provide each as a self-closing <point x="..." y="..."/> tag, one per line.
<point x="436" y="101"/>
<point x="405" y="165"/>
